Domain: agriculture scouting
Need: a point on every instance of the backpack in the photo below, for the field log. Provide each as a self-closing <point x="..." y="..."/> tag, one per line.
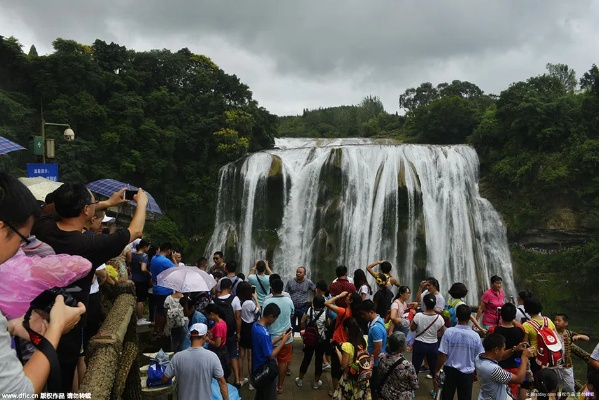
<point x="361" y="369"/>
<point x="549" y="347"/>
<point x="174" y="313"/>
<point x="227" y="306"/>
<point x="311" y="334"/>
<point x="449" y="312"/>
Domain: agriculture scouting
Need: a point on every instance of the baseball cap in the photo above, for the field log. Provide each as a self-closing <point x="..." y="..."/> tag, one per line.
<point x="198" y="329"/>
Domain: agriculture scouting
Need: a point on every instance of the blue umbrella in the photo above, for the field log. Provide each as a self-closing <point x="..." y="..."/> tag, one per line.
<point x="6" y="146"/>
<point x="106" y="187"/>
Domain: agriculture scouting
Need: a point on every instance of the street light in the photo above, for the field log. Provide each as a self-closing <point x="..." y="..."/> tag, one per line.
<point x="49" y="146"/>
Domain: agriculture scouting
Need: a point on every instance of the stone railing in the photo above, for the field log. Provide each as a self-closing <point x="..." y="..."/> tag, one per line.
<point x="113" y="370"/>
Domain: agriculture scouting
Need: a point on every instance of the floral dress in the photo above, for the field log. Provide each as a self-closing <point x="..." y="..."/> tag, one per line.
<point x="348" y="388"/>
<point x="402" y="380"/>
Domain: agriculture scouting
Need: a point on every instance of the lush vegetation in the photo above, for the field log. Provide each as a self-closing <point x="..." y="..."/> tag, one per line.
<point x="165" y="121"/>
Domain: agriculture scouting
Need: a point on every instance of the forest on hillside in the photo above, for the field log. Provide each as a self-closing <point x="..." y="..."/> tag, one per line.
<point x="165" y="121"/>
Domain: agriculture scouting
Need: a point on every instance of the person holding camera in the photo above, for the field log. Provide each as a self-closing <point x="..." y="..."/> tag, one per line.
<point x="75" y="206"/>
<point x="18" y="211"/>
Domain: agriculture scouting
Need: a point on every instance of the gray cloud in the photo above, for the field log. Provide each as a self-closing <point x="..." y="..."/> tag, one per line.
<point x="295" y="55"/>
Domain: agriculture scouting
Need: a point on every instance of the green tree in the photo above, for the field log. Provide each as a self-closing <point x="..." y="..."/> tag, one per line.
<point x="565" y="74"/>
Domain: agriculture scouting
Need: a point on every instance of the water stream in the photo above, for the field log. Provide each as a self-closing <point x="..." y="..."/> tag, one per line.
<point x="322" y="203"/>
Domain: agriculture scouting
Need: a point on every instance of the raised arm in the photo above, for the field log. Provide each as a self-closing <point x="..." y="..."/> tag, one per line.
<point x="330" y="303"/>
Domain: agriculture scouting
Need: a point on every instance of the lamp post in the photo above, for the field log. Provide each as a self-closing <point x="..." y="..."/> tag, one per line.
<point x="69" y="135"/>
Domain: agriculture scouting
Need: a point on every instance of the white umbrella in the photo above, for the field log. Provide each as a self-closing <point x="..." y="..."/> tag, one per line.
<point x="185" y="280"/>
<point x="40" y="186"/>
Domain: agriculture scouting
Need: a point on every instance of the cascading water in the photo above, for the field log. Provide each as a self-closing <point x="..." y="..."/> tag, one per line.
<point x="322" y="203"/>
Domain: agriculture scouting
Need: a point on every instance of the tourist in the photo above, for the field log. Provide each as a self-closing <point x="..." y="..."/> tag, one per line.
<point x="460" y="346"/>
<point x="195" y="368"/>
<point x="18" y="210"/>
<point x="457" y="292"/>
<point x="257" y="278"/>
<point x="202" y="263"/>
<point x="362" y="285"/>
<point x="219" y="263"/>
<point x="217" y="338"/>
<point x="492" y="378"/>
<point x="263" y="350"/>
<point x="399" y="307"/>
<point x="514" y="335"/>
<point x="192" y="316"/>
<point x="491" y="300"/>
<point x="565" y="371"/>
<point x="314" y="317"/>
<point x="299" y="288"/>
<point x="354" y="300"/>
<point x="349" y="388"/>
<point x="521" y="314"/>
<point x="231" y="305"/>
<point x="141" y="276"/>
<point x="231" y="274"/>
<point x="384" y="275"/>
<point x="271" y="279"/>
<point x="427" y="326"/>
<point x="534" y="307"/>
<point x="430" y="285"/>
<point x="250" y="311"/>
<point x="590" y="391"/>
<point x="75" y="206"/>
<point x="383" y="297"/>
<point x="399" y="379"/>
<point x="176" y="320"/>
<point x="280" y="326"/>
<point x="340" y="285"/>
<point x="377" y="341"/>
<point x="160" y="262"/>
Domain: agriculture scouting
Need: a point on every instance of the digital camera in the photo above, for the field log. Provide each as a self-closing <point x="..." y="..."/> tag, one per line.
<point x="45" y="300"/>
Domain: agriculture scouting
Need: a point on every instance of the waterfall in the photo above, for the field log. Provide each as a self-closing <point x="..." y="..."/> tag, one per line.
<point x="320" y="203"/>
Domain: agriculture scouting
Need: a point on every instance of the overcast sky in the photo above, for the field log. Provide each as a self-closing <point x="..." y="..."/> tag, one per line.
<point x="310" y="54"/>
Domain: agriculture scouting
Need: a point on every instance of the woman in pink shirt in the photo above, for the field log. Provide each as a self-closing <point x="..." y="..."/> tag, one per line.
<point x="217" y="336"/>
<point x="491" y="300"/>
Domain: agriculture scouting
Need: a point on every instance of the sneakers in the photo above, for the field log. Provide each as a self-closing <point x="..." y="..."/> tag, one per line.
<point x="243" y="382"/>
<point x="326" y="366"/>
<point x="317" y="385"/>
<point x="288" y="372"/>
<point x="143" y="321"/>
<point x="250" y="387"/>
<point x="299" y="382"/>
<point x="429" y="376"/>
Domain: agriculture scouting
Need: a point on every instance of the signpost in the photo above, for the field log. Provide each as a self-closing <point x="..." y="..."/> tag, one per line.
<point x="48" y="171"/>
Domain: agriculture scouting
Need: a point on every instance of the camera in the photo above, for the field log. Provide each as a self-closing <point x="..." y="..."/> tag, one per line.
<point x="128" y="194"/>
<point x="45" y="300"/>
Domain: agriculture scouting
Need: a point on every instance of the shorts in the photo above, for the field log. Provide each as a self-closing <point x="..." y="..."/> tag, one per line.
<point x="232" y="347"/>
<point x="285" y="353"/>
<point x="159" y="303"/>
<point x="141" y="291"/>
<point x="246" y="335"/>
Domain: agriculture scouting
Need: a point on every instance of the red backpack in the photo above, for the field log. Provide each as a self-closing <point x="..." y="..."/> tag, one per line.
<point x="549" y="347"/>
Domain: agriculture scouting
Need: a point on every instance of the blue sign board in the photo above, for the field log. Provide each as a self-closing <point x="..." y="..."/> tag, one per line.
<point x="48" y="171"/>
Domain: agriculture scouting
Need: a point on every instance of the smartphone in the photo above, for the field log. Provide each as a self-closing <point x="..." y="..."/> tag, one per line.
<point x="289" y="330"/>
<point x="253" y="289"/>
<point x="128" y="194"/>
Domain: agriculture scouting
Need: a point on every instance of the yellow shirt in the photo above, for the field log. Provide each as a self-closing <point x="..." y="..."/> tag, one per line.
<point x="348" y="348"/>
<point x="531" y="331"/>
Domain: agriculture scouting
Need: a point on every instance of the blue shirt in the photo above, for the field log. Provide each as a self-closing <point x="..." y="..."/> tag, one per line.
<point x="377" y="333"/>
<point x="160" y="263"/>
<point x="261" y="293"/>
<point x="196" y="318"/>
<point x="461" y="345"/>
<point x="284" y="321"/>
<point x="261" y="346"/>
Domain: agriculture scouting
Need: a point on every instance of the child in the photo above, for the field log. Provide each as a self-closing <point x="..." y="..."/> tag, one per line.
<point x="315" y="315"/>
<point x="565" y="372"/>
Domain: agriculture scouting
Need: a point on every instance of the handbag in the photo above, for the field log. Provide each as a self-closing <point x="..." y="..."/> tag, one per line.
<point x="265" y="374"/>
<point x="155" y="372"/>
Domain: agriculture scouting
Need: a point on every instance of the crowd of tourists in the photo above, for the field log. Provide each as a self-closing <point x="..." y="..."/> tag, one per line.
<point x="360" y="328"/>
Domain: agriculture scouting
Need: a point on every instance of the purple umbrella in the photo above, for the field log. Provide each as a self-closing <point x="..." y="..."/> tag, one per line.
<point x="106" y="187"/>
<point x="6" y="146"/>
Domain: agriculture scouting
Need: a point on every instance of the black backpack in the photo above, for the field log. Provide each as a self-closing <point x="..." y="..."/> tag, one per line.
<point x="227" y="307"/>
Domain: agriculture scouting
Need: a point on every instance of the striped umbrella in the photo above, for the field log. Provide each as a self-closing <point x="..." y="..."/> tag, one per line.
<point x="6" y="146"/>
<point x="106" y="187"/>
